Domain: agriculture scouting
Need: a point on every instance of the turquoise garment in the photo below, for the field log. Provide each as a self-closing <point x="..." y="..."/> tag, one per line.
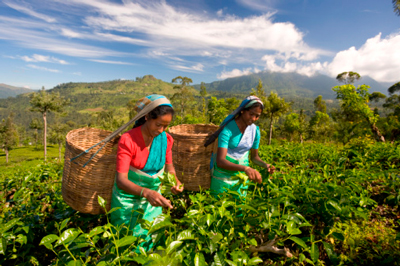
<point x="221" y="179"/>
<point x="147" y="178"/>
<point x="230" y="136"/>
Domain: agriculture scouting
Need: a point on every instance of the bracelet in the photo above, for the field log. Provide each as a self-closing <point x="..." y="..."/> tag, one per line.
<point x="247" y="167"/>
<point x="141" y="192"/>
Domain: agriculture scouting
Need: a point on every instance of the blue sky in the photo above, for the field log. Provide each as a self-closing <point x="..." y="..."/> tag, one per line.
<point x="44" y="43"/>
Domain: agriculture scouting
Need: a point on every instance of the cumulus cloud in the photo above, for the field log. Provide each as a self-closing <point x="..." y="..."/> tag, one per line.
<point x="237" y="73"/>
<point x="378" y="58"/>
<point x="285" y="64"/>
<point x="44" y="68"/>
<point x="43" y="58"/>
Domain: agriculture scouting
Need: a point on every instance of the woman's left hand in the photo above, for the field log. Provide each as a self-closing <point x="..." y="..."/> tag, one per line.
<point x="271" y="168"/>
<point x="178" y="188"/>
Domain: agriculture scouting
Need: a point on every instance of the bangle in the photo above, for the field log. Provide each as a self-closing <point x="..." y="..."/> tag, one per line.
<point x="247" y="167"/>
<point x="141" y="192"/>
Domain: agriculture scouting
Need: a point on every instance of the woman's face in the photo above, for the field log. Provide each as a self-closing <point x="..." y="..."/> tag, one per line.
<point x="157" y="126"/>
<point x="252" y="115"/>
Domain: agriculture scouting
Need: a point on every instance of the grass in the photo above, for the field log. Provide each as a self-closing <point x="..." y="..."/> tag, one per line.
<point x="28" y="156"/>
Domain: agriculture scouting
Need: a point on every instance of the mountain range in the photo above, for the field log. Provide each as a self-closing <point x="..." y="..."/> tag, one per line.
<point x="11" y="91"/>
<point x="290" y="85"/>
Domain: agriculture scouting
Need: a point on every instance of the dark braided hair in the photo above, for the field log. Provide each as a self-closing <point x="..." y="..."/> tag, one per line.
<point x="155" y="113"/>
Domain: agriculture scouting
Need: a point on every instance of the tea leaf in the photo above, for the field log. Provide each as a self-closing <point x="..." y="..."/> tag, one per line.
<point x="199" y="259"/>
<point x="298" y="241"/>
<point x="127" y="240"/>
<point x="173" y="246"/>
<point x="48" y="239"/>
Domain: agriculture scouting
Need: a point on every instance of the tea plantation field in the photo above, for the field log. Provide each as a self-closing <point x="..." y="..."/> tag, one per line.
<point x="325" y="205"/>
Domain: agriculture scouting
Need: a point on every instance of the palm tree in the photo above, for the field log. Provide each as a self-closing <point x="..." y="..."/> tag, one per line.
<point x="396" y="7"/>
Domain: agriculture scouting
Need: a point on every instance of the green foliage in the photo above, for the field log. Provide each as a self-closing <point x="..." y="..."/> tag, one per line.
<point x="354" y="106"/>
<point x="8" y="135"/>
<point x="348" y="77"/>
<point x="274" y="108"/>
<point x="320" y="200"/>
<point x="396" y="7"/>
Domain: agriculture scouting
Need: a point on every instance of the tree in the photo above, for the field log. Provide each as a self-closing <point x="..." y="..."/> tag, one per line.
<point x="57" y="135"/>
<point x="184" y="95"/>
<point x="35" y="125"/>
<point x="396" y="7"/>
<point x="292" y="125"/>
<point x="392" y="124"/>
<point x="320" y="127"/>
<point x="354" y="103"/>
<point x="348" y="77"/>
<point x="274" y="108"/>
<point x="44" y="103"/>
<point x="203" y="93"/>
<point x="8" y="135"/>
<point x="319" y="104"/>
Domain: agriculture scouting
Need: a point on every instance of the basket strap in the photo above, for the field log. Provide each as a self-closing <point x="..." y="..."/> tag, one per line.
<point x="142" y="113"/>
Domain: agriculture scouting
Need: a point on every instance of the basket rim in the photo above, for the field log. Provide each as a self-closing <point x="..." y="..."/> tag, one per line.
<point x="192" y="134"/>
<point x="74" y="145"/>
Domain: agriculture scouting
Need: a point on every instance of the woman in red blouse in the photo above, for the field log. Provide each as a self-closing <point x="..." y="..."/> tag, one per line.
<point x="144" y="153"/>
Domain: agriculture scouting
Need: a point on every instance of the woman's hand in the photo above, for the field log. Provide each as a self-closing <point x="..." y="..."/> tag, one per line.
<point x="271" y="169"/>
<point x="156" y="199"/>
<point x="178" y="188"/>
<point x="253" y="174"/>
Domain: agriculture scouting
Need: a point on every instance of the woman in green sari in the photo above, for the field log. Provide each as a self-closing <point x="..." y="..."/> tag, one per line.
<point x="144" y="153"/>
<point x="238" y="137"/>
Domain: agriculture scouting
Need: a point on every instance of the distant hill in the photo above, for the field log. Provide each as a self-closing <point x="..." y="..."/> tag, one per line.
<point x="11" y="91"/>
<point x="88" y="99"/>
<point x="289" y="85"/>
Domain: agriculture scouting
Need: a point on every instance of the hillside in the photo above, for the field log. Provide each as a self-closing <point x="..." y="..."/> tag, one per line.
<point x="11" y="91"/>
<point x="88" y="99"/>
<point x="289" y="85"/>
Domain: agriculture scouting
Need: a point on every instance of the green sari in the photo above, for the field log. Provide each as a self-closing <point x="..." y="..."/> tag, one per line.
<point x="129" y="213"/>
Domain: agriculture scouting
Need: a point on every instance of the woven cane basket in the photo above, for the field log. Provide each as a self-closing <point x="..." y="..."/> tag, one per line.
<point x="191" y="159"/>
<point x="81" y="186"/>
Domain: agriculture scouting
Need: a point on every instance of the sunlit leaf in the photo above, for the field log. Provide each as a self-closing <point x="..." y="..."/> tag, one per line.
<point x="173" y="246"/>
<point x="48" y="239"/>
<point x="127" y="240"/>
<point x="199" y="259"/>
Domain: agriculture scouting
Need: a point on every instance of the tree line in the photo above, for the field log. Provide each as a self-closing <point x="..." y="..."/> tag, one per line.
<point x="353" y="118"/>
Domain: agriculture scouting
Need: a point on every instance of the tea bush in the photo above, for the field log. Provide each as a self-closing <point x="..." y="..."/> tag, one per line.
<point x="326" y="205"/>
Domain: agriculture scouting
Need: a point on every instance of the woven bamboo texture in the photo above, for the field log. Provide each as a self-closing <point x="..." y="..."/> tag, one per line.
<point x="191" y="159"/>
<point x="81" y="186"/>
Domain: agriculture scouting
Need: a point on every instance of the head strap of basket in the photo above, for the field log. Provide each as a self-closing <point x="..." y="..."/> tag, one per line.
<point x="144" y="106"/>
<point x="246" y="103"/>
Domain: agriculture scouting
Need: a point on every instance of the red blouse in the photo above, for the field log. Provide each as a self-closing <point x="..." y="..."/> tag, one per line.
<point x="133" y="151"/>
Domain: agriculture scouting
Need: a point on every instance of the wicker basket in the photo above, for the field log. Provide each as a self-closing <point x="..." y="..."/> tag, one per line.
<point x="81" y="185"/>
<point x="191" y="159"/>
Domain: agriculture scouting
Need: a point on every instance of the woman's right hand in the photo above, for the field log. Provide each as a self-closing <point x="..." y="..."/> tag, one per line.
<point x="253" y="175"/>
<point x="156" y="199"/>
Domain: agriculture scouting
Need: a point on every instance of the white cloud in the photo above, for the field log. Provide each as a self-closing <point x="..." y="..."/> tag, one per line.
<point x="43" y="68"/>
<point x="43" y="58"/>
<point x="195" y="68"/>
<point x="29" y="11"/>
<point x="237" y="72"/>
<point x="378" y="58"/>
<point x="70" y="33"/>
<point x="110" y="62"/>
<point x="258" y="5"/>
